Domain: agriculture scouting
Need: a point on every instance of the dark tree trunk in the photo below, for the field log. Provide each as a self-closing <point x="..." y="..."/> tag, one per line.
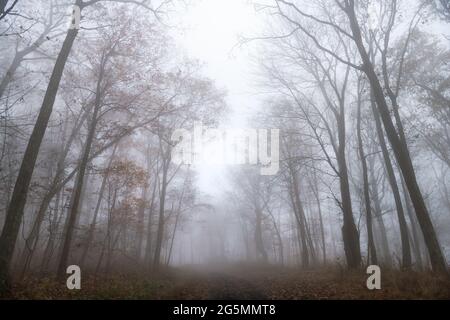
<point x="18" y="199"/>
<point x="299" y="213"/>
<point x="162" y="199"/>
<point x="172" y="240"/>
<point x="54" y="188"/>
<point x="140" y="226"/>
<point x="401" y="151"/>
<point x="372" y="252"/>
<point x="406" y="250"/>
<point x="92" y="227"/>
<point x="148" y="245"/>
<point x="260" y="250"/>
<point x="54" y="226"/>
<point x="415" y="233"/>
<point x="379" y="214"/>
<point x="319" y="208"/>
<point x="349" y="231"/>
<point x="73" y="212"/>
<point x="5" y="10"/>
<point x="279" y="237"/>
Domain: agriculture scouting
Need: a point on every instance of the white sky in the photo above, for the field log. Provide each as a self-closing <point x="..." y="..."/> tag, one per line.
<point x="212" y="32"/>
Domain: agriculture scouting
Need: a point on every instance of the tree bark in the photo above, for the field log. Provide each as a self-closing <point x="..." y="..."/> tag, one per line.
<point x="406" y="249"/>
<point x="319" y="208"/>
<point x="259" y="244"/>
<point x="162" y="199"/>
<point x="372" y="252"/>
<point x="16" y="206"/>
<point x="73" y="212"/>
<point x="148" y="245"/>
<point x="400" y="149"/>
<point x="349" y="231"/>
<point x="93" y="225"/>
<point x="299" y="213"/>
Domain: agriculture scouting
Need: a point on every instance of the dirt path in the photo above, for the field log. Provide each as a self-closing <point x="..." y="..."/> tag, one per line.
<point x="267" y="284"/>
<point x="226" y="287"/>
<point x="215" y="286"/>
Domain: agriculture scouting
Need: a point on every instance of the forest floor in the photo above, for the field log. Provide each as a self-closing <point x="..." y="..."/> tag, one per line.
<point x="242" y="282"/>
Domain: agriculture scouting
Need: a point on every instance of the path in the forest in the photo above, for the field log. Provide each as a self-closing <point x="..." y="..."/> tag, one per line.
<point x="282" y="283"/>
<point x="215" y="285"/>
<point x="225" y="287"/>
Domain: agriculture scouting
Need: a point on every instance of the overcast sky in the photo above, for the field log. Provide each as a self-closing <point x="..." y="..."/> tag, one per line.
<point x="211" y="32"/>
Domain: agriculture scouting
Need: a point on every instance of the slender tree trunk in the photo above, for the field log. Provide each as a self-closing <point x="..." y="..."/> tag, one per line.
<point x="148" y="245"/>
<point x="261" y="251"/>
<point x="401" y="151"/>
<point x="379" y="215"/>
<point x="9" y="74"/>
<point x="309" y="238"/>
<point x="140" y="226"/>
<point x="172" y="240"/>
<point x="414" y="231"/>
<point x="54" y="226"/>
<point x="73" y="212"/>
<point x="349" y="231"/>
<point x="107" y="240"/>
<point x="279" y="238"/>
<point x="18" y="58"/>
<point x="162" y="199"/>
<point x="91" y="231"/>
<point x="177" y="218"/>
<point x="319" y="208"/>
<point x="18" y="199"/>
<point x="372" y="252"/>
<point x="406" y="250"/>
<point x="299" y="212"/>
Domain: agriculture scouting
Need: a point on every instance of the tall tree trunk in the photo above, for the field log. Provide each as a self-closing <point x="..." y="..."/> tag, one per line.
<point x="379" y="215"/>
<point x="349" y="231"/>
<point x="299" y="213"/>
<point x="415" y="233"/>
<point x="259" y="244"/>
<point x="107" y="240"/>
<point x="406" y="250"/>
<point x="319" y="208"/>
<point x="177" y="218"/>
<point x="16" y="206"/>
<point x="54" y="226"/>
<point x="140" y="221"/>
<point x="162" y="199"/>
<point x="401" y="151"/>
<point x="372" y="252"/>
<point x="91" y="231"/>
<point x="172" y="240"/>
<point x="279" y="237"/>
<point x="148" y="245"/>
<point x="73" y="212"/>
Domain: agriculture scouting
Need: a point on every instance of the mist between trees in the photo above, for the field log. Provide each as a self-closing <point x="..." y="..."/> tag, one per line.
<point x="359" y="91"/>
<point x="227" y="146"/>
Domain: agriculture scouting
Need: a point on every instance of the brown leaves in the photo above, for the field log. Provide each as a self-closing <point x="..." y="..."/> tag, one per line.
<point x="240" y="282"/>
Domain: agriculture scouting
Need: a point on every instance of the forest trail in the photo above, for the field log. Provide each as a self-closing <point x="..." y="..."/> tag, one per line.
<point x="274" y="283"/>
<point x="217" y="286"/>
<point x="226" y="287"/>
<point x="241" y="282"/>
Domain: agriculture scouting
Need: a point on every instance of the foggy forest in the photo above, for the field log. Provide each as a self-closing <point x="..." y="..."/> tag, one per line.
<point x="212" y="149"/>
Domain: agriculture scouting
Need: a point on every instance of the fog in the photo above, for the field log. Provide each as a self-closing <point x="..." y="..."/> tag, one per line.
<point x="150" y="137"/>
